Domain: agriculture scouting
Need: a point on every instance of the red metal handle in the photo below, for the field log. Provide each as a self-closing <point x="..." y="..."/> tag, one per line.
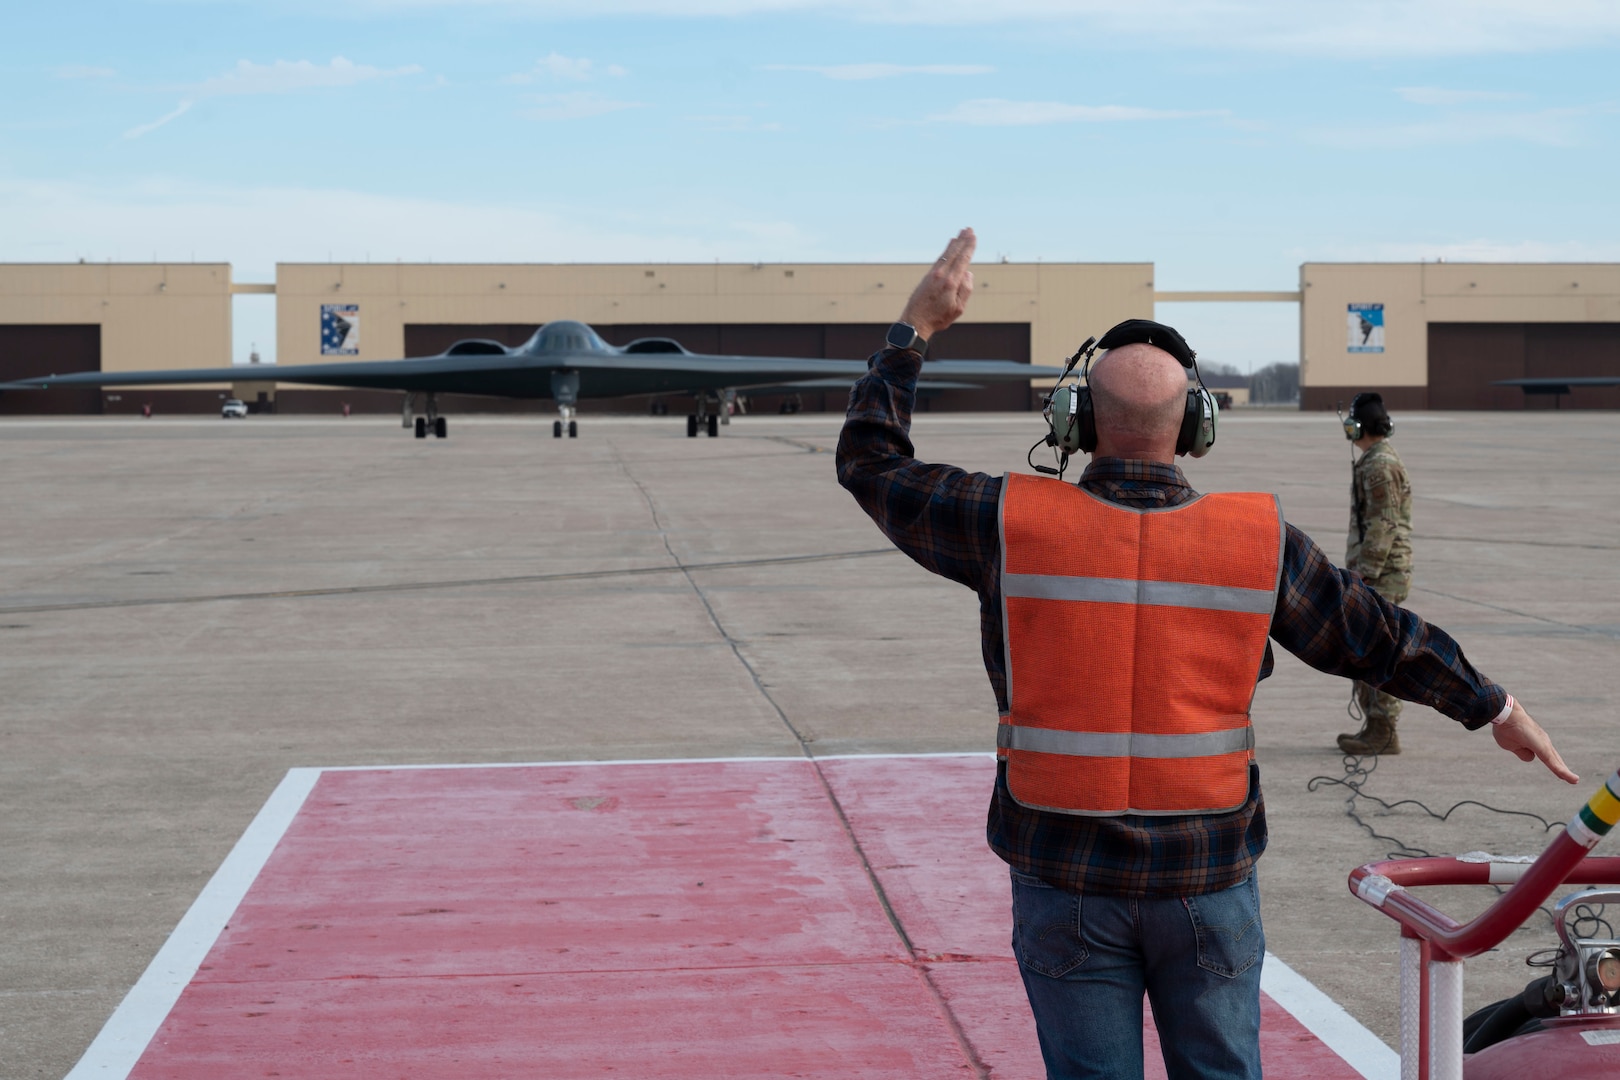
<point x="1384" y="885"/>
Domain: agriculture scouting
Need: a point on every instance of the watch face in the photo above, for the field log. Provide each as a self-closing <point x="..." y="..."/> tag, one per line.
<point x="902" y="336"/>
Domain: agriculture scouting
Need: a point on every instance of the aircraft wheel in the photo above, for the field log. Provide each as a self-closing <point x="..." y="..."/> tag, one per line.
<point x="691" y="426"/>
<point x="556" y="429"/>
<point x="714" y="427"/>
<point x="441" y="428"/>
<point x="573" y="429"/>
<point x="421" y="427"/>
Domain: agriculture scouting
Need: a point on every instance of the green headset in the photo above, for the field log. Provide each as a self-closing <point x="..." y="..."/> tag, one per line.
<point x="1071" y="419"/>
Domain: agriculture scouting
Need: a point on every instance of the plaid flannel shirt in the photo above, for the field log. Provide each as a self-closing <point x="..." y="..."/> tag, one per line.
<point x="946" y="519"/>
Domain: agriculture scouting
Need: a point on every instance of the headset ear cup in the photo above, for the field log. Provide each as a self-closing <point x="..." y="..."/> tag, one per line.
<point x="1085" y="421"/>
<point x="1189" y="424"/>
<point x="1063" y="419"/>
<point x="1203" y="438"/>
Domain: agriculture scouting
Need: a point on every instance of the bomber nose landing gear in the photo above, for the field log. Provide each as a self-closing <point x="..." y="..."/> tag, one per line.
<point x="565" y="391"/>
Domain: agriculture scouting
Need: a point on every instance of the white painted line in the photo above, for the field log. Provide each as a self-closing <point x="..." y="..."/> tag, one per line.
<point x="986" y="754"/>
<point x="1326" y="1019"/>
<point x="136" y="1020"/>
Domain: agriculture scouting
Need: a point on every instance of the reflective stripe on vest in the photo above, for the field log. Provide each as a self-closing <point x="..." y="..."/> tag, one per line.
<point x="1134" y="641"/>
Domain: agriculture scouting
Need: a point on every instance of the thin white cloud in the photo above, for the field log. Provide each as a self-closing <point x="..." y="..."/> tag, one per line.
<point x="556" y="67"/>
<point x="287" y="76"/>
<point x="281" y="77"/>
<point x="577" y="105"/>
<point x="1435" y="95"/>
<point x="1358" y="29"/>
<point x="82" y="71"/>
<point x="856" y="72"/>
<point x="999" y="112"/>
<point x="145" y="129"/>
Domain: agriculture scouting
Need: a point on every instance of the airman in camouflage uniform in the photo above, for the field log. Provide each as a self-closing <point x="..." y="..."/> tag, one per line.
<point x="1380" y="550"/>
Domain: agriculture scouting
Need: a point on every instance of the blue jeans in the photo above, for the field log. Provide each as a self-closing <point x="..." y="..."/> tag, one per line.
<point x="1087" y="961"/>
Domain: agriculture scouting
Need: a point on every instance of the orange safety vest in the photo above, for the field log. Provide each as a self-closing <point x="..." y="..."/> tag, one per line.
<point x="1134" y="643"/>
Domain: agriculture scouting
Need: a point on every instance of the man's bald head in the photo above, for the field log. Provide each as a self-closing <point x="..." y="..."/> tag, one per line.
<point x="1139" y="393"/>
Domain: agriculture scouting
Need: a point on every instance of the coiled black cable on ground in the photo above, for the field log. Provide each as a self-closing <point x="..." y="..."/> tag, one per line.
<point x="1358" y="770"/>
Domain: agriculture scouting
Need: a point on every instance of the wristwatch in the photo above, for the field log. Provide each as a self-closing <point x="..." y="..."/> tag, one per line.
<point x="904" y="336"/>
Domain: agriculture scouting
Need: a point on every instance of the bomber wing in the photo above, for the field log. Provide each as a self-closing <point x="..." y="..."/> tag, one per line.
<point x="500" y="375"/>
<point x="1548" y="385"/>
<point x="527" y="375"/>
<point x="615" y="375"/>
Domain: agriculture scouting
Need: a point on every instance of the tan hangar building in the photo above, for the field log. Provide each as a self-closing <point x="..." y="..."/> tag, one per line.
<point x="1024" y="312"/>
<point x="1438" y="335"/>
<point x="61" y="317"/>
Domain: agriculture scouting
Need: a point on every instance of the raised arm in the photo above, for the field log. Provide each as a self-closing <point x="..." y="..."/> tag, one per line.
<point x="945" y="518"/>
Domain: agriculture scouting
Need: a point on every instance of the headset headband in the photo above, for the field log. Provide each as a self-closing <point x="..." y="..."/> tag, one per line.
<point x="1148" y="332"/>
<point x="1366" y="405"/>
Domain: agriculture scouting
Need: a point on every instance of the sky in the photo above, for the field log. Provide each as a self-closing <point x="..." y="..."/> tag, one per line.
<point x="1226" y="141"/>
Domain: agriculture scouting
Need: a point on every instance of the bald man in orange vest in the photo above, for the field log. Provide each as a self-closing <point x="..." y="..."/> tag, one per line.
<point x="1125" y="622"/>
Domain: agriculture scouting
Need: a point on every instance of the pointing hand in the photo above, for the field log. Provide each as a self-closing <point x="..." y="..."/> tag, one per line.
<point x="1522" y="736"/>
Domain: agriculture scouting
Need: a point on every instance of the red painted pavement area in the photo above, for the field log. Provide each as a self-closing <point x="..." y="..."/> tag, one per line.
<point x="671" y="919"/>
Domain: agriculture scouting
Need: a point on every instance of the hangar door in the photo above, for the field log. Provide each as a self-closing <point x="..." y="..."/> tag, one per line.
<point x="1466" y="358"/>
<point x="27" y="351"/>
<point x="834" y="341"/>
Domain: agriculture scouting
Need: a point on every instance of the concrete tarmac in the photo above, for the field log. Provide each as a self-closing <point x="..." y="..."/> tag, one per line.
<point x="190" y="607"/>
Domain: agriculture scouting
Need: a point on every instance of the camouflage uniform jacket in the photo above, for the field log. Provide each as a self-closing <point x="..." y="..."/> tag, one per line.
<point x="1380" y="547"/>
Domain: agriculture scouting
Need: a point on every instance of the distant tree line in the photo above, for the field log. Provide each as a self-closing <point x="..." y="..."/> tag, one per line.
<point x="1275" y="384"/>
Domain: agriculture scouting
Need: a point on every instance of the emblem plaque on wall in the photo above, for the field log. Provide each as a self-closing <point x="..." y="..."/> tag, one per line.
<point x="1365" y="324"/>
<point x="340" y="329"/>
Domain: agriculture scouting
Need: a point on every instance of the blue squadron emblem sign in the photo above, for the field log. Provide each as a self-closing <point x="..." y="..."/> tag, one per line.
<point x="340" y="329"/>
<point x="1365" y="323"/>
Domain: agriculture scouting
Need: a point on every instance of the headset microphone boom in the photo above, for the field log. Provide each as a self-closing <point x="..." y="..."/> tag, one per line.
<point x="1071" y="423"/>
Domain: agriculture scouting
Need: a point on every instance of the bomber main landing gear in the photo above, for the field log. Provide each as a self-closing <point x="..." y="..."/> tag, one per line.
<point x="557" y="429"/>
<point x="432" y="421"/>
<point x="702" y="418"/>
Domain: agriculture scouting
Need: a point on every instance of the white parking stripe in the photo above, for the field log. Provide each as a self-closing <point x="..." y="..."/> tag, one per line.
<point x="130" y="1028"/>
<point x="1327" y="1020"/>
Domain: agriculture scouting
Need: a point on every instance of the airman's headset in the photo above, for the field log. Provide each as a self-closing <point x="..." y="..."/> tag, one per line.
<point x="1367" y="417"/>
<point x="1071" y="419"/>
